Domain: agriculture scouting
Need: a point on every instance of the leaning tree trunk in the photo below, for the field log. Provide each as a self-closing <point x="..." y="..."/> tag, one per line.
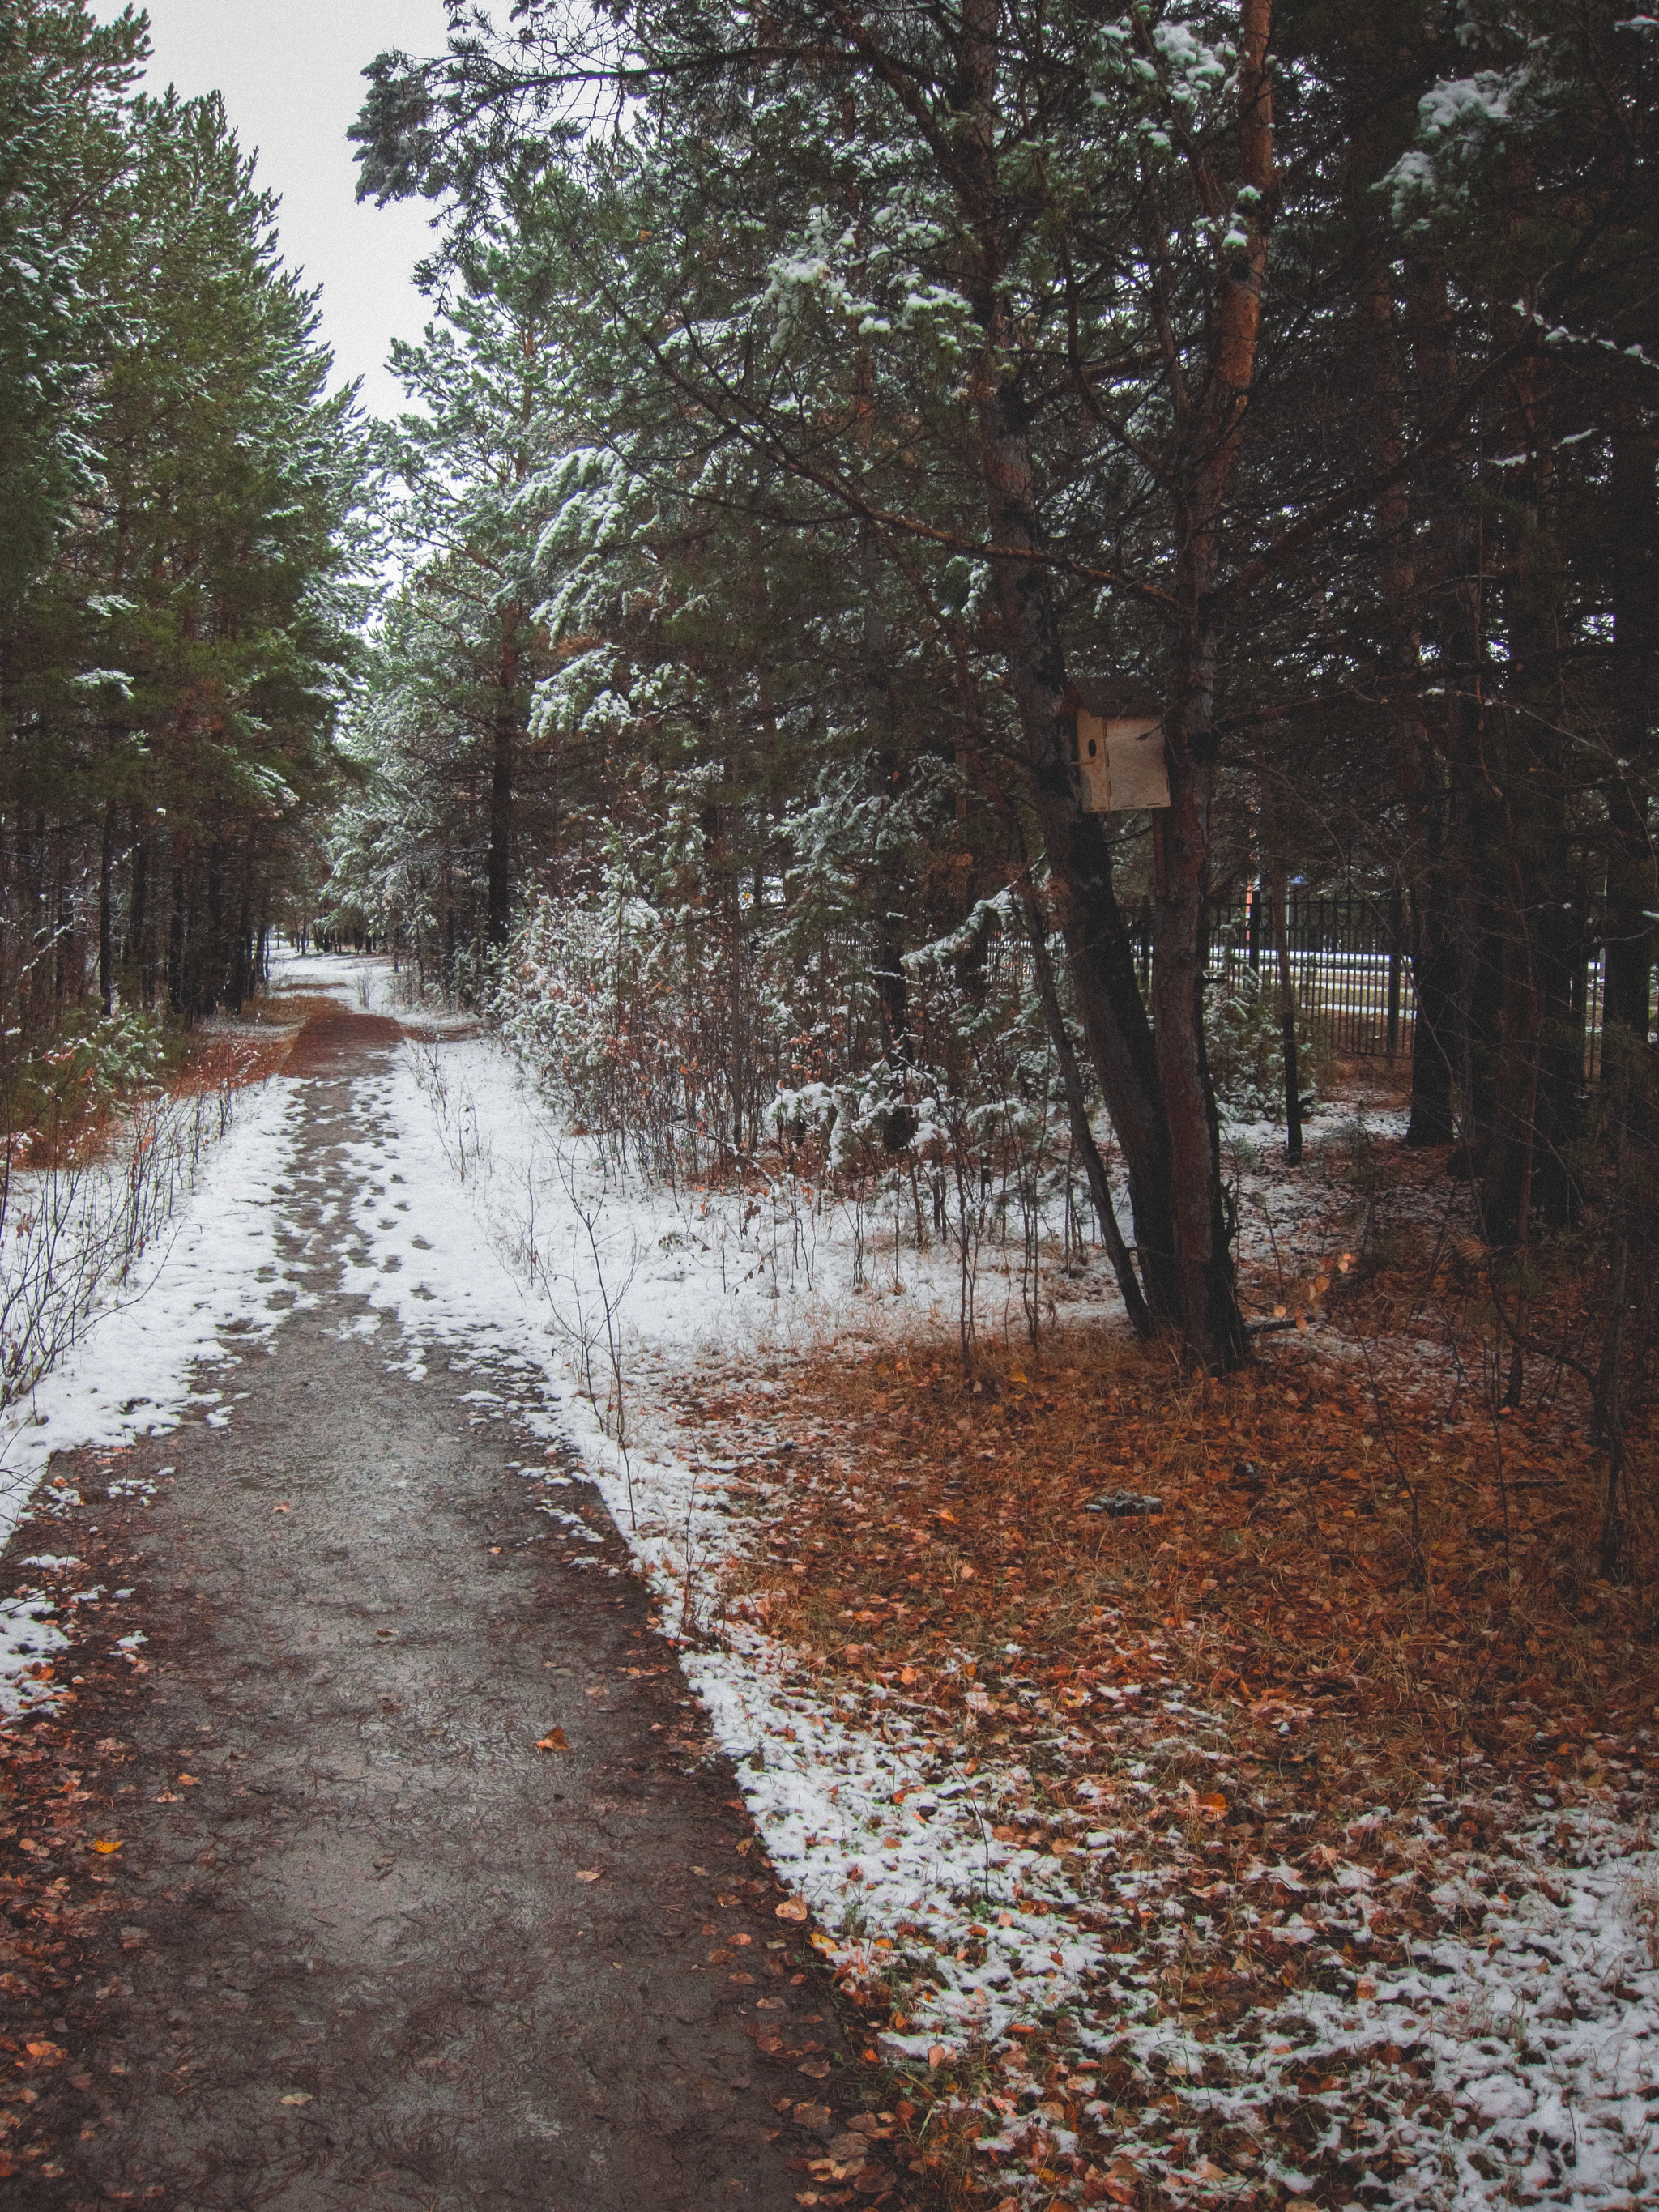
<point x="1098" y="949"/>
<point x="1076" y="1110"/>
<point x="1210" y="427"/>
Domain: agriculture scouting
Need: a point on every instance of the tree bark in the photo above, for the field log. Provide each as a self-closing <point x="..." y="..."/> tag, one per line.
<point x="1212" y="435"/>
<point x="1632" y="887"/>
<point x="1077" y="1112"/>
<point x="106" y="915"/>
<point x="503" y="753"/>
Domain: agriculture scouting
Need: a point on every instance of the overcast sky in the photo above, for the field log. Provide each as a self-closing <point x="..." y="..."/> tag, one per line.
<point x="291" y="73"/>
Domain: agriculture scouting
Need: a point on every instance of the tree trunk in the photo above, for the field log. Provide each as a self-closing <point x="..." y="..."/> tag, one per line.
<point x="1632" y="890"/>
<point x="1274" y="873"/>
<point x="140" y="926"/>
<point x="1211" y="429"/>
<point x="106" y="915"/>
<point x="503" y="752"/>
<point x="1077" y="1112"/>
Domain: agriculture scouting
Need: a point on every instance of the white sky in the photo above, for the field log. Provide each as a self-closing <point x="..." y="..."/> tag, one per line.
<point x="291" y="72"/>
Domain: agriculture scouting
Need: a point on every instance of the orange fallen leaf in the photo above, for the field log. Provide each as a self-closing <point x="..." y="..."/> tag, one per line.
<point x="99" y="1843"/>
<point x="587" y="1874"/>
<point x="793" y="1908"/>
<point x="281" y="1509"/>
<point x="295" y="2097"/>
<point x="189" y="1780"/>
<point x="555" y="1740"/>
<point x="938" y="2053"/>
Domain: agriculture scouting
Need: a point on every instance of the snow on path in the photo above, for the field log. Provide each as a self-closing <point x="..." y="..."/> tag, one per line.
<point x="1532" y="2013"/>
<point x="827" y="1795"/>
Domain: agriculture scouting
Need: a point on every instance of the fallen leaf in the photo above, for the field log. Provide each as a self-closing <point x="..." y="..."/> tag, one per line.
<point x="105" y="1844"/>
<point x="816" y="2070"/>
<point x="555" y="1740"/>
<point x="281" y="1509"/>
<point x="189" y="1780"/>
<point x="587" y="1874"/>
<point x="938" y="2053"/>
<point x="793" y="1908"/>
<point x="297" y="2097"/>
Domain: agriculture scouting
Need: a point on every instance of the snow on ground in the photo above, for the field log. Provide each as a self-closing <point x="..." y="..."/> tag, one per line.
<point x="197" y="1299"/>
<point x="1528" y="2019"/>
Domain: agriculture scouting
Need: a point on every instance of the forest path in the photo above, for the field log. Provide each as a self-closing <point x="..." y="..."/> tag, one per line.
<point x="366" y="1961"/>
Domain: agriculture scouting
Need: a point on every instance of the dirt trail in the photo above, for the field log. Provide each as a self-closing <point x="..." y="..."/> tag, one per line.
<point x="359" y="1959"/>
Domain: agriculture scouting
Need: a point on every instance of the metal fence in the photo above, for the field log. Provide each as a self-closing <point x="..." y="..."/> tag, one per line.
<point x="1347" y="961"/>
<point x="1351" y="973"/>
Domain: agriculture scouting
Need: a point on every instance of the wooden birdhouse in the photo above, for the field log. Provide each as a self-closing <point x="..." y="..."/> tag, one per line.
<point x="1119" y="753"/>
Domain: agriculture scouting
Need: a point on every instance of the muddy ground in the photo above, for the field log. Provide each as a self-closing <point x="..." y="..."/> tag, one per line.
<point x="362" y="1943"/>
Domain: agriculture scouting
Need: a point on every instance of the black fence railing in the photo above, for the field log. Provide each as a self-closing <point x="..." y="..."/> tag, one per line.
<point x="1347" y="962"/>
<point x="1352" y="975"/>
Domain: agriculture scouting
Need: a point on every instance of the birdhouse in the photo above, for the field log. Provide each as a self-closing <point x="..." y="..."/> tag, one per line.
<point x="1120" y="760"/>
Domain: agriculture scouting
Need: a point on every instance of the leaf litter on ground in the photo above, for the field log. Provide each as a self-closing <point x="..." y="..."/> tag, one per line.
<point x="1312" y="1806"/>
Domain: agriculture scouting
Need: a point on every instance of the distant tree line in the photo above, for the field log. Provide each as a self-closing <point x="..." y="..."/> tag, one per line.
<point x="176" y="615"/>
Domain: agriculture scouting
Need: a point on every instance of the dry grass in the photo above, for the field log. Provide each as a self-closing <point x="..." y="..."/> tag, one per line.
<point x="210" y="1061"/>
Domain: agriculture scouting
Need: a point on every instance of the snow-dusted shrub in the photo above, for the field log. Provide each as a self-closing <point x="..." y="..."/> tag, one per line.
<point x="113" y="1057"/>
<point x="649" y="1026"/>
<point x="1245" y="1041"/>
<point x="91" y="1063"/>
